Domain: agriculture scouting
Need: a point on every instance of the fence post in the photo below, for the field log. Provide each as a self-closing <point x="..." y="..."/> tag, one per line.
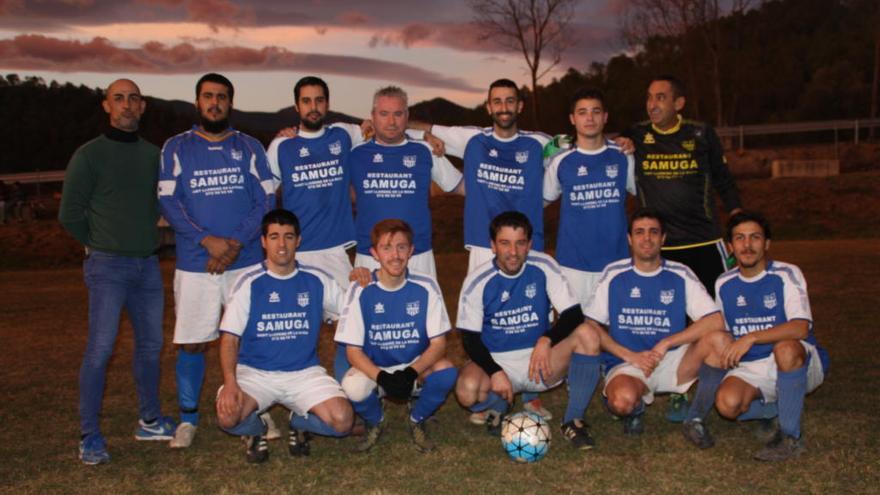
<point x="741" y="139"/>
<point x="835" y="142"/>
<point x="856" y="139"/>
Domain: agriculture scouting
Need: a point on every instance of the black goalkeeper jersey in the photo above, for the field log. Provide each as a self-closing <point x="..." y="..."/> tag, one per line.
<point x="676" y="171"/>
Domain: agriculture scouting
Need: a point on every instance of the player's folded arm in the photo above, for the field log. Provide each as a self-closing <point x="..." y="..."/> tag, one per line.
<point x="477" y="351"/>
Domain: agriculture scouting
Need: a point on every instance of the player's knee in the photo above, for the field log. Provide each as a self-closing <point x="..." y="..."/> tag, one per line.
<point x="729" y="405"/>
<point x="357" y="386"/>
<point x="588" y="338"/>
<point x="227" y="421"/>
<point x="789" y="355"/>
<point x="467" y="390"/>
<point x="341" y="419"/>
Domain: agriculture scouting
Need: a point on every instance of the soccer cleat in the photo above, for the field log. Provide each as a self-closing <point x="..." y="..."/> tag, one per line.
<point x="93" y="450"/>
<point x="257" y="449"/>
<point x="273" y="432"/>
<point x="537" y="407"/>
<point x="371" y="436"/>
<point x="161" y="428"/>
<point x="478" y="418"/>
<point x="698" y="434"/>
<point x="298" y="443"/>
<point x="634" y="424"/>
<point x="766" y="429"/>
<point x="420" y="437"/>
<point x="183" y="436"/>
<point x="781" y="448"/>
<point x="678" y="408"/>
<point x="578" y="435"/>
<point x="494" y="421"/>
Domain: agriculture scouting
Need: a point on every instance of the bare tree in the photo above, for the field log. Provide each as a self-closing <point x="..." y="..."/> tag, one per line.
<point x="537" y="28"/>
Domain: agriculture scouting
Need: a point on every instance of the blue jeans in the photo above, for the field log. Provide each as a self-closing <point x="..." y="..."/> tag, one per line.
<point x="115" y="282"/>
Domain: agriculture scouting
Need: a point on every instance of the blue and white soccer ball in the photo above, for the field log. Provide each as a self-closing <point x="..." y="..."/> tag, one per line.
<point x="525" y="437"/>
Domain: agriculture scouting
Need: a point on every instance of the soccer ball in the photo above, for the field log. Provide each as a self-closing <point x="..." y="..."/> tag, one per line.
<point x="525" y="437"/>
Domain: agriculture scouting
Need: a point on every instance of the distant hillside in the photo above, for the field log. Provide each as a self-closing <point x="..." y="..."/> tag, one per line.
<point x="444" y="112"/>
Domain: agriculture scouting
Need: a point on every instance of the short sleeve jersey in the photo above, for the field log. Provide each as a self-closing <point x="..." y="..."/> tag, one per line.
<point x="394" y="181"/>
<point x="500" y="175"/>
<point x="592" y="186"/>
<point x="393" y="326"/>
<point x="278" y="318"/>
<point x="512" y="311"/>
<point x="640" y="309"/>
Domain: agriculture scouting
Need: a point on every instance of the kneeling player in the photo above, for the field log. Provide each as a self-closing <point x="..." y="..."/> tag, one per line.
<point x="503" y="311"/>
<point x="268" y="348"/>
<point x="394" y="333"/>
<point x="645" y="302"/>
<point x="775" y="355"/>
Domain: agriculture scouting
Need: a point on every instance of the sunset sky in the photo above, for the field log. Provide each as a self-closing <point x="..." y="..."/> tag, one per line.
<point x="427" y="47"/>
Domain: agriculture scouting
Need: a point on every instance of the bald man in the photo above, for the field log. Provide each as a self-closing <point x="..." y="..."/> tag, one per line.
<point x="109" y="204"/>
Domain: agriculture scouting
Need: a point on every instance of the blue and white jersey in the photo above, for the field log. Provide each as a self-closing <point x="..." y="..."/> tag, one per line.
<point x="393" y="326"/>
<point x="394" y="181"/>
<point x="500" y="175"/>
<point x="511" y="312"/>
<point x="592" y="215"/>
<point x="313" y="172"/>
<point x="775" y="296"/>
<point x="214" y="187"/>
<point x="641" y="309"/>
<point x="278" y="318"/>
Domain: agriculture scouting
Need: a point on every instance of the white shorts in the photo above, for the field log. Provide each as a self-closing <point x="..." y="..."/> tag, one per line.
<point x="358" y="386"/>
<point x="664" y="379"/>
<point x="198" y="299"/>
<point x="477" y="256"/>
<point x="422" y="263"/>
<point x="331" y="260"/>
<point x="762" y="373"/>
<point x="516" y="366"/>
<point x="582" y="284"/>
<point x="298" y="391"/>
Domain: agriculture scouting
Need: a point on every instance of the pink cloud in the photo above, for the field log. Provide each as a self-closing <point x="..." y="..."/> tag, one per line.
<point x="353" y="18"/>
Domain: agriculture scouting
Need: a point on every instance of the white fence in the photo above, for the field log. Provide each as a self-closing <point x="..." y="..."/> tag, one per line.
<point x="838" y="126"/>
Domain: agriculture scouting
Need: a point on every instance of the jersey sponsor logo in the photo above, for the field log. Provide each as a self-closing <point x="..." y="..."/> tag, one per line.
<point x="505" y="296"/>
<point x="215" y="148"/>
<point x="594" y="194"/>
<point x="379" y="308"/>
<point x="582" y="171"/>
<point x="500" y="178"/>
<point x="237" y="155"/>
<point x="288" y="323"/>
<point x="521" y="157"/>
<point x="515" y="320"/>
<point x="667" y="296"/>
<point x="389" y="185"/>
<point x="412" y="308"/>
<point x="740" y="300"/>
<point x="319" y="174"/>
<point x="770" y="300"/>
<point x="670" y="163"/>
<point x="643" y="321"/>
<point x="531" y="290"/>
<point x="302" y="299"/>
<point x="611" y="171"/>
<point x="394" y="335"/>
<point x="689" y="144"/>
<point x="274" y="297"/>
<point x="216" y="181"/>
<point x="409" y="161"/>
<point x="493" y="153"/>
<point x="748" y="324"/>
<point x="635" y="293"/>
<point x="649" y="138"/>
<point x="303" y="152"/>
<point x="335" y="148"/>
<point x="377" y="158"/>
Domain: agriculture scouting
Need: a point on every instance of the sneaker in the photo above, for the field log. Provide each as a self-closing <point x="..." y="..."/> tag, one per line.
<point x="765" y="430"/>
<point x="578" y="434"/>
<point x="478" y="418"/>
<point x="257" y="449"/>
<point x="161" y="428"/>
<point x="494" y="421"/>
<point x="93" y="450"/>
<point x="678" y="408"/>
<point x="634" y="425"/>
<point x="781" y="448"/>
<point x="298" y="443"/>
<point x="371" y="436"/>
<point x="272" y="432"/>
<point x="698" y="434"/>
<point x="420" y="436"/>
<point x="183" y="436"/>
<point x="537" y="407"/>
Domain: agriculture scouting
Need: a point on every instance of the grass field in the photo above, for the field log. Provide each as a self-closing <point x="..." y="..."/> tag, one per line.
<point x="43" y="329"/>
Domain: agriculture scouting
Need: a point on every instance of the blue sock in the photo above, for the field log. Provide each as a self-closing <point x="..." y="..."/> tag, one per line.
<point x="709" y="379"/>
<point x="759" y="409"/>
<point x="791" y="386"/>
<point x="529" y="396"/>
<point x="250" y="426"/>
<point x="493" y="401"/>
<point x="340" y="363"/>
<point x="370" y="409"/>
<point x="190" y="376"/>
<point x="583" y="376"/>
<point x="437" y="386"/>
<point x="315" y="425"/>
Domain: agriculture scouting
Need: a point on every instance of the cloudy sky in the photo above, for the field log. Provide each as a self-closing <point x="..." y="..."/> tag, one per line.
<point x="430" y="48"/>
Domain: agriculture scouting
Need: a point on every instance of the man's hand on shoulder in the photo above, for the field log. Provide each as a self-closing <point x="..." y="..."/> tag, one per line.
<point x="287" y="132"/>
<point x="626" y="144"/>
<point x="438" y="147"/>
<point x="360" y="275"/>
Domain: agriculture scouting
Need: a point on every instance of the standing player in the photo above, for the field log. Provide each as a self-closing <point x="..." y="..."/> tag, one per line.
<point x="774" y="355"/>
<point x="394" y="332"/>
<point x="214" y="187"/>
<point x="503" y="311"/>
<point x="268" y="351"/>
<point x="645" y="302"/>
<point x="391" y="177"/>
<point x="592" y="179"/>
<point x="109" y="205"/>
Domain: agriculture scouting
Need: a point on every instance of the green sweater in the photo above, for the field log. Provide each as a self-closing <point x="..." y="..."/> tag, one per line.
<point x="109" y="200"/>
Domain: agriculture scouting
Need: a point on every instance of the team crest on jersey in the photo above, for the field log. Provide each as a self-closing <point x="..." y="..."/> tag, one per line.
<point x="649" y="138"/>
<point x="582" y="171"/>
<point x="379" y="308"/>
<point x="409" y="161"/>
<point x="303" y="152"/>
<point x="302" y="299"/>
<point x="493" y="153"/>
<point x="635" y="293"/>
<point x="667" y="296"/>
<point x="377" y="158"/>
<point x="531" y="290"/>
<point x="412" y="308"/>
<point x="236" y="154"/>
<point x="770" y="300"/>
<point x="505" y="296"/>
<point x="274" y="297"/>
<point x="522" y="157"/>
<point x="689" y="144"/>
<point x="740" y="300"/>
<point x="335" y="148"/>
<point x="611" y="171"/>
